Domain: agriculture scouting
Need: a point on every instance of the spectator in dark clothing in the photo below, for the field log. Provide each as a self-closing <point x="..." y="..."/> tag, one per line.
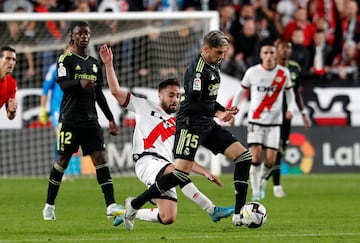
<point x="247" y="44"/>
<point x="300" y="53"/>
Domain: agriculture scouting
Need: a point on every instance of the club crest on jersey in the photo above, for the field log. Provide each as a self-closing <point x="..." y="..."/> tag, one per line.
<point x="95" y="69"/>
<point x="197" y="84"/>
<point x="61" y="70"/>
<point x="278" y="79"/>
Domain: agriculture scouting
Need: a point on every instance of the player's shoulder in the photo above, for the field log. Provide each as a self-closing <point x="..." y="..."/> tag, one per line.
<point x="293" y="65"/>
<point x="282" y="68"/>
<point x="93" y="59"/>
<point x="254" y="68"/>
<point x="10" y="78"/>
<point x="65" y="55"/>
<point x="199" y="64"/>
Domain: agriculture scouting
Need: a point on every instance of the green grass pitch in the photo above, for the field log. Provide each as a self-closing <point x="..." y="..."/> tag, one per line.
<point x="318" y="208"/>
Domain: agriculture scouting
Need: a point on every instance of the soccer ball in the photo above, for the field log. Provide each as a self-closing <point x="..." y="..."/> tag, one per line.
<point x="253" y="215"/>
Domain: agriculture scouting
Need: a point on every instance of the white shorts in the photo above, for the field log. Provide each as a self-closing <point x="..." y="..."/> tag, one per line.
<point x="267" y="136"/>
<point x="147" y="168"/>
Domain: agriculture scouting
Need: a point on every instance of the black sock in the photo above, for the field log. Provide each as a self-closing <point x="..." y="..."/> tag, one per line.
<point x="105" y="182"/>
<point x="241" y="179"/>
<point x="56" y="175"/>
<point x="163" y="184"/>
<point x="276" y="170"/>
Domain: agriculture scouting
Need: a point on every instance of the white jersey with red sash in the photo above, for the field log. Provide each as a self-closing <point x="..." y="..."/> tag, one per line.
<point x="154" y="129"/>
<point x="266" y="90"/>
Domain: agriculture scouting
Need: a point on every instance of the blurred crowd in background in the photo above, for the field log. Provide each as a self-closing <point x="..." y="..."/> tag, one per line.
<point x="325" y="34"/>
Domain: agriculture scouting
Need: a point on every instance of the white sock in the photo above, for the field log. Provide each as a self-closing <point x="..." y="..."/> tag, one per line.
<point x="254" y="175"/>
<point x="148" y="214"/>
<point x="193" y="193"/>
<point x="264" y="170"/>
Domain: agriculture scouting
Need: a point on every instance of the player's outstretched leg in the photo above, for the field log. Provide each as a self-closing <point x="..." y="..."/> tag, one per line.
<point x="221" y="212"/>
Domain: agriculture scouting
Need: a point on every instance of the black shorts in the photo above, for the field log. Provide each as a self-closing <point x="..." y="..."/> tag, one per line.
<point x="91" y="139"/>
<point x="188" y="140"/>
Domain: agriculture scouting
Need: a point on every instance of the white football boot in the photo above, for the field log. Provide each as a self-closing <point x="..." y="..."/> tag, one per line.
<point x="114" y="210"/>
<point x="129" y="214"/>
<point x="279" y="192"/>
<point x="49" y="212"/>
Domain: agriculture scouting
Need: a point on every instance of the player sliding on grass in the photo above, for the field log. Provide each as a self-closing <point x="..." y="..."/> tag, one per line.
<point x="152" y="145"/>
<point x="195" y="126"/>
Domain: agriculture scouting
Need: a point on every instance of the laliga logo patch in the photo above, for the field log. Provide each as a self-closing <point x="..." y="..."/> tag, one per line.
<point x="61" y="70"/>
<point x="197" y="82"/>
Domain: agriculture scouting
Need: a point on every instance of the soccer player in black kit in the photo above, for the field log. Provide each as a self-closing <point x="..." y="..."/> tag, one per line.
<point x="80" y="77"/>
<point x="195" y="126"/>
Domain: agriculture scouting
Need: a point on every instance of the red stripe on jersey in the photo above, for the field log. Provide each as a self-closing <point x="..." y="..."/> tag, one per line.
<point x="161" y="131"/>
<point x="268" y="100"/>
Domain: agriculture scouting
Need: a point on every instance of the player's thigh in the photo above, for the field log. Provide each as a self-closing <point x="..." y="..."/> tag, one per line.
<point x="148" y="168"/>
<point x="272" y="137"/>
<point x="92" y="140"/>
<point x="255" y="134"/>
<point x="67" y="139"/>
<point x="219" y="139"/>
<point x="187" y="142"/>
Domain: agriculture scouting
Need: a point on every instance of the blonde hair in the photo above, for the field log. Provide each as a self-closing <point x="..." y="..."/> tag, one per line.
<point x="216" y="38"/>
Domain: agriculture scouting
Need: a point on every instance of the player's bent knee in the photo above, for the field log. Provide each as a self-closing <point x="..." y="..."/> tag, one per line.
<point x="166" y="219"/>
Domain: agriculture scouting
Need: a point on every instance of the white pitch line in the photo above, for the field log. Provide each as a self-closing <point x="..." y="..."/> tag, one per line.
<point x="231" y="236"/>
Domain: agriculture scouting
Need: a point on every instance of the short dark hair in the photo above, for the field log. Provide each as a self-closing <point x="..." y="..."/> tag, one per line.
<point x="73" y="26"/>
<point x="279" y="42"/>
<point x="78" y="24"/>
<point x="168" y="82"/>
<point x="267" y="42"/>
<point x="6" y="48"/>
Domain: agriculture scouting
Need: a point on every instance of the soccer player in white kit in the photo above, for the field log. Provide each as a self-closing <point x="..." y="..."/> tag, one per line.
<point x="266" y="82"/>
<point x="153" y="144"/>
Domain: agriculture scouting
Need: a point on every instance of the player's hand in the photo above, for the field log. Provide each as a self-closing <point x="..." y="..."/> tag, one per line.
<point x="43" y="116"/>
<point x="214" y="179"/>
<point x="233" y="109"/>
<point x="11" y="108"/>
<point x="289" y="115"/>
<point x="225" y="116"/>
<point x="106" y="54"/>
<point x="306" y="121"/>
<point x="87" y="84"/>
<point x="114" y="130"/>
<point x="12" y="105"/>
